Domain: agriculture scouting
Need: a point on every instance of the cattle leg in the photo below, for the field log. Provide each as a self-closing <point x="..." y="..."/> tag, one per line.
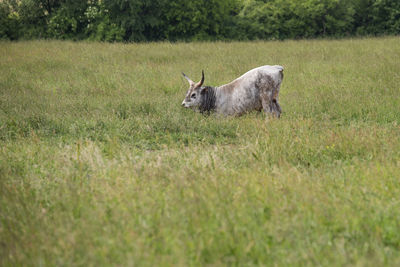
<point x="276" y="108"/>
<point x="267" y="104"/>
<point x="275" y="105"/>
<point x="270" y="106"/>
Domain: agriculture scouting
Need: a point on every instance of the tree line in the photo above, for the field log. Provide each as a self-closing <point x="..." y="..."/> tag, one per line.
<point x="188" y="20"/>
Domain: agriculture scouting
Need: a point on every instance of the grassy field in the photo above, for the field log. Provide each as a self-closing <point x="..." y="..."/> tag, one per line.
<point x="100" y="165"/>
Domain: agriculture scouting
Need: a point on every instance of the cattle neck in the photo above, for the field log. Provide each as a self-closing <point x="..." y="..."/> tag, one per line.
<point x="208" y="99"/>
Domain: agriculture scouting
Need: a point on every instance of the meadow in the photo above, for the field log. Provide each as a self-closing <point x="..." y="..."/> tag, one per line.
<point x="100" y="164"/>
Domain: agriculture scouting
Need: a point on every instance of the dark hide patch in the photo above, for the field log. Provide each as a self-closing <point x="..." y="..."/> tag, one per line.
<point x="208" y="98"/>
<point x="265" y="84"/>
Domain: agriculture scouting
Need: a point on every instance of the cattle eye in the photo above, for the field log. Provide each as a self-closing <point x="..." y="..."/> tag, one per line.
<point x="193" y="96"/>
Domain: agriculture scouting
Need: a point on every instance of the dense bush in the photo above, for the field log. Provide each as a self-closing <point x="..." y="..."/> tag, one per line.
<point x="154" y="20"/>
<point x="283" y="19"/>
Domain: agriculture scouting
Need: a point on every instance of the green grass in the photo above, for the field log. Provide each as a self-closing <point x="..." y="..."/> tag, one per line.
<point x="100" y="165"/>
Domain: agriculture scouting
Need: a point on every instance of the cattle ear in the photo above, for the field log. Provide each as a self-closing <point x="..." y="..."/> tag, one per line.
<point x="204" y="90"/>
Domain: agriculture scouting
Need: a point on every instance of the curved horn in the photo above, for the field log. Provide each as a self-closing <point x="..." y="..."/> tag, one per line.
<point x="187" y="78"/>
<point x="202" y="79"/>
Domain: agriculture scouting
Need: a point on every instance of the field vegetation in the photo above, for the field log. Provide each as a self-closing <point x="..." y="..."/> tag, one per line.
<point x="100" y="165"/>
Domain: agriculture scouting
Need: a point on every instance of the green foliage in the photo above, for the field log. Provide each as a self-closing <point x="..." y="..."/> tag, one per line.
<point x="9" y="24"/>
<point x="377" y="17"/>
<point x="62" y="25"/>
<point x="145" y="20"/>
<point x="68" y="21"/>
<point x="282" y="19"/>
<point x="199" y="20"/>
<point x="31" y="19"/>
<point x="99" y="25"/>
<point x="126" y="14"/>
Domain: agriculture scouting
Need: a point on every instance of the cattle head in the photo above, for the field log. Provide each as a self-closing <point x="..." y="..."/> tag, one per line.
<point x="193" y="95"/>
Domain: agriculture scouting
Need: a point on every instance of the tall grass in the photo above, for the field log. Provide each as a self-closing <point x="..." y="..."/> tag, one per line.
<point x="100" y="165"/>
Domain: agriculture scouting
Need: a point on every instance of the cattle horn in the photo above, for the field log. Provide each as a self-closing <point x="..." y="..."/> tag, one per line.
<point x="187" y="78"/>
<point x="202" y="79"/>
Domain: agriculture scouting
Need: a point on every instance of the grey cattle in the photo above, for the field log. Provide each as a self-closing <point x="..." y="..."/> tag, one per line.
<point x="257" y="89"/>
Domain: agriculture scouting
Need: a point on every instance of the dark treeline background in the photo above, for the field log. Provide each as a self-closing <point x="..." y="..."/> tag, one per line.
<point x="155" y="20"/>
